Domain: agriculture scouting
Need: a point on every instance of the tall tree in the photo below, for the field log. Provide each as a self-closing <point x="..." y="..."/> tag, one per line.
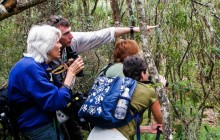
<point x="116" y="12"/>
<point x="87" y="15"/>
<point x="131" y="14"/>
<point x="164" y="102"/>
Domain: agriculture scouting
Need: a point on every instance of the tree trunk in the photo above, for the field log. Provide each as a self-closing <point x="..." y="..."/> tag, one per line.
<point x="116" y="12"/>
<point x="88" y="21"/>
<point x="131" y="14"/>
<point x="164" y="102"/>
<point x="12" y="7"/>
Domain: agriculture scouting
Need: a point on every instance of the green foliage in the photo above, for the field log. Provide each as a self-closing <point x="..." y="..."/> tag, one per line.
<point x="215" y="50"/>
<point x="209" y="133"/>
<point x="180" y="20"/>
<point x="150" y="137"/>
<point x="11" y="50"/>
<point x="179" y="129"/>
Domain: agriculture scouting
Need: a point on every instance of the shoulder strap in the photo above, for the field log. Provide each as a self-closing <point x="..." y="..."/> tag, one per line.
<point x="146" y="82"/>
<point x="137" y="120"/>
<point x="138" y="132"/>
<point x="104" y="70"/>
<point x="137" y="116"/>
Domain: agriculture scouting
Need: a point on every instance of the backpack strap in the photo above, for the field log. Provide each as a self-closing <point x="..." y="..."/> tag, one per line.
<point x="138" y="132"/>
<point x="147" y="82"/>
<point x="103" y="71"/>
<point x="57" y="128"/>
<point x="136" y="117"/>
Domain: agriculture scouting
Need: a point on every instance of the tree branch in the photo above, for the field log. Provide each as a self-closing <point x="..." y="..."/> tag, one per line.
<point x="13" y="7"/>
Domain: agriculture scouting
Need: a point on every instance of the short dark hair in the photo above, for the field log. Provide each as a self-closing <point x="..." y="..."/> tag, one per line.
<point x="133" y="66"/>
<point x="56" y="20"/>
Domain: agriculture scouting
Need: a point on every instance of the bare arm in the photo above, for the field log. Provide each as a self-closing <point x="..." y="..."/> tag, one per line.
<point x="119" y="31"/>
<point x="155" y="108"/>
<point x="150" y="128"/>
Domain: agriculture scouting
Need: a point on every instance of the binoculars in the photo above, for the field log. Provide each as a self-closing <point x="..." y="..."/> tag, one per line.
<point x="74" y="55"/>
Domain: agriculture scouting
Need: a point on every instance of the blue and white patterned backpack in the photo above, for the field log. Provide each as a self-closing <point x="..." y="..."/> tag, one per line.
<point x="99" y="108"/>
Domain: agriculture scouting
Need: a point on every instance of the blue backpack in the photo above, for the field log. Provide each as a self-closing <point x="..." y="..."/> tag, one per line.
<point x="99" y="108"/>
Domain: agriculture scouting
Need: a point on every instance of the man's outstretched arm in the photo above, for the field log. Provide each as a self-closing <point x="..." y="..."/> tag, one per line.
<point x="119" y="31"/>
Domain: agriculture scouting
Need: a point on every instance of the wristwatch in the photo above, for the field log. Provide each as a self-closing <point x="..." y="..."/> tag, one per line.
<point x="131" y="29"/>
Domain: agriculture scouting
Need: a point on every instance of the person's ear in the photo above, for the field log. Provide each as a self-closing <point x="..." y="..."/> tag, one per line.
<point x="142" y="75"/>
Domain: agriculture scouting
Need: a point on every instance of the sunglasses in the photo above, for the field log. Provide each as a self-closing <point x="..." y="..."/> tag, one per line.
<point x="56" y="20"/>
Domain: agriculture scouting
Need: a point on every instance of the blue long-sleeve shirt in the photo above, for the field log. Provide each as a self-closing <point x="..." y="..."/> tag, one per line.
<point x="29" y="81"/>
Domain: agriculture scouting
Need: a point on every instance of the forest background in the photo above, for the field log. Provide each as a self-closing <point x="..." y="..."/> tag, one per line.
<point x="185" y="49"/>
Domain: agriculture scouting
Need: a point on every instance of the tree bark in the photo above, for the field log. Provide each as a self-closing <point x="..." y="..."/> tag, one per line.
<point x="131" y="14"/>
<point x="12" y="7"/>
<point x="116" y="12"/>
<point x="88" y="21"/>
<point x="164" y="102"/>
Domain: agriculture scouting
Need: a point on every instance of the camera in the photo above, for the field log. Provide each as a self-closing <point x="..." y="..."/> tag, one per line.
<point x="74" y="55"/>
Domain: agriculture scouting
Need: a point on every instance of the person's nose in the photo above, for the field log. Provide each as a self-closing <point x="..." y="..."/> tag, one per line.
<point x="60" y="45"/>
<point x="70" y="36"/>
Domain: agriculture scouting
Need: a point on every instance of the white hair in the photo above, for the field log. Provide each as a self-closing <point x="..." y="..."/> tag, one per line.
<point x="40" y="41"/>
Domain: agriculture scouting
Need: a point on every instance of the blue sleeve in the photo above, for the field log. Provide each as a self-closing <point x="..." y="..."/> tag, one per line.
<point x="46" y="95"/>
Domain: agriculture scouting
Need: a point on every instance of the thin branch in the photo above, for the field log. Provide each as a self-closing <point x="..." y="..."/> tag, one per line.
<point x="94" y="8"/>
<point x="156" y="12"/>
<point x="208" y="5"/>
<point x="187" y="50"/>
<point x="211" y="30"/>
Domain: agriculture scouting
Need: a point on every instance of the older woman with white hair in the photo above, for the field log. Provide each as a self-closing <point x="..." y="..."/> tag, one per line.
<point x="33" y="97"/>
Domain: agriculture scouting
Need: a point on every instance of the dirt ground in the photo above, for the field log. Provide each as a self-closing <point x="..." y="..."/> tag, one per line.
<point x="211" y="117"/>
